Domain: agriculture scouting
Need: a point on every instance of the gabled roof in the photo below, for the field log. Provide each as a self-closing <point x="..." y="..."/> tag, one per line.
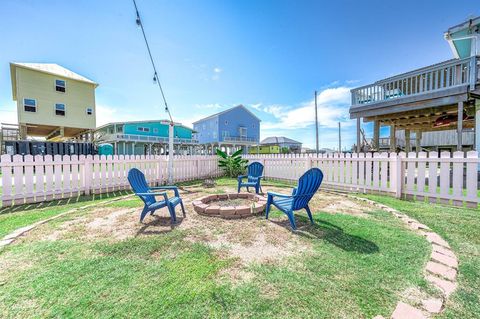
<point x="279" y="140"/>
<point x="166" y="122"/>
<point x="226" y="111"/>
<point x="49" y="68"/>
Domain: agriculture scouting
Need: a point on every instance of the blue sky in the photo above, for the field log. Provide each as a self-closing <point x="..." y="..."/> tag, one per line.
<point x="211" y="55"/>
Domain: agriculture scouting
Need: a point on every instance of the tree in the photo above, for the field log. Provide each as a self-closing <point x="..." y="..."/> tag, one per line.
<point x="233" y="165"/>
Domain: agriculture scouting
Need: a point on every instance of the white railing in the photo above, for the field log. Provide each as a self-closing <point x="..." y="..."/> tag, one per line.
<point x="238" y="139"/>
<point x="30" y="179"/>
<point x="442" y="76"/>
<point x="448" y="178"/>
<point x="146" y="138"/>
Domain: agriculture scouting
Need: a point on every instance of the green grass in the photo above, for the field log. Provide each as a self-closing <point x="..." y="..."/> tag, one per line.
<point x="15" y="217"/>
<point x="357" y="267"/>
<point x="461" y="228"/>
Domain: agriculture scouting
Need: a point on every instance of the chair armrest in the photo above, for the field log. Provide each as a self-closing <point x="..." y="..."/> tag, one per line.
<point x="164" y="194"/>
<point x="273" y="194"/>
<point x="241" y="177"/>
<point x="174" y="188"/>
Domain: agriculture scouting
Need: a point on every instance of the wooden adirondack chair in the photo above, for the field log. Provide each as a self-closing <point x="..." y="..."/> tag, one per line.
<point x="254" y="175"/>
<point x="308" y="185"/>
<point x="139" y="185"/>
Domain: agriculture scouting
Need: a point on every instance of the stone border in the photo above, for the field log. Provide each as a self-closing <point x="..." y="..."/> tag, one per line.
<point x="440" y="271"/>
<point x="206" y="206"/>
<point x="10" y="238"/>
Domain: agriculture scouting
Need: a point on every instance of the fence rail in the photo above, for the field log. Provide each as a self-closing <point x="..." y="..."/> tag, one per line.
<point x="448" y="178"/>
<point x="31" y="179"/>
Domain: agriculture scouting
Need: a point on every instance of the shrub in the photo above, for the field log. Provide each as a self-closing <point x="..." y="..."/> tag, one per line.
<point x="233" y="165"/>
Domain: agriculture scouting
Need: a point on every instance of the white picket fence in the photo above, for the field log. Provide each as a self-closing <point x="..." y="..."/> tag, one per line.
<point x="448" y="178"/>
<point x="31" y="179"/>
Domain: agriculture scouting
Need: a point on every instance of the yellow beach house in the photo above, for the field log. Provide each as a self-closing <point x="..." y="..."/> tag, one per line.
<point x="53" y="102"/>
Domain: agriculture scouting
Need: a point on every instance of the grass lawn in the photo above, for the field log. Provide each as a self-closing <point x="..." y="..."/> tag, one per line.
<point x="355" y="262"/>
<point x="461" y="228"/>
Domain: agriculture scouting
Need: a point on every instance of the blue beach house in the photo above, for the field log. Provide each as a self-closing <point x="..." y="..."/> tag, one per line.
<point x="229" y="130"/>
<point x="146" y="137"/>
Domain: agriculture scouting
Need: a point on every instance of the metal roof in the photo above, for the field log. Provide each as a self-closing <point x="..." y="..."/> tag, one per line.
<point x="279" y="140"/>
<point x="166" y="122"/>
<point x="228" y="110"/>
<point x="54" y="69"/>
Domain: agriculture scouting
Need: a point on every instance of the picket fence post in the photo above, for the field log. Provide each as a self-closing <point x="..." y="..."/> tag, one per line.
<point x="87" y="177"/>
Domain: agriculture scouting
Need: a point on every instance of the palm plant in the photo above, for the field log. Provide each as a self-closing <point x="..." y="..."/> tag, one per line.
<point x="233" y="165"/>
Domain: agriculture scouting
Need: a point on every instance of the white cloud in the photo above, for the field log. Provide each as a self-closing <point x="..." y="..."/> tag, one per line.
<point x="8" y="115"/>
<point x="333" y="104"/>
<point x="208" y="106"/>
<point x="107" y="114"/>
<point x="217" y="70"/>
<point x="216" y="73"/>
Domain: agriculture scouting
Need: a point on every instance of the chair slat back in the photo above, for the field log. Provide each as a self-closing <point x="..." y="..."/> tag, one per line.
<point x="139" y="185"/>
<point x="255" y="170"/>
<point x="308" y="185"/>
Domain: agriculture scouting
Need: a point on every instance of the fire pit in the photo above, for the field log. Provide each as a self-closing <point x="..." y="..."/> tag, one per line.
<point x="230" y="206"/>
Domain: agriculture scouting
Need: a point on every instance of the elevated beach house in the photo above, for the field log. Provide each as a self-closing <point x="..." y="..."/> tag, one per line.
<point x="229" y="130"/>
<point x="146" y="137"/>
<point x="285" y="144"/>
<point x="441" y="97"/>
<point x="52" y="101"/>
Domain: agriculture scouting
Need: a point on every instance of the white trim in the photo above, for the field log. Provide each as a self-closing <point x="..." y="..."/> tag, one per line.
<point x="26" y="98"/>
<point x="64" y="109"/>
<point x="64" y="87"/>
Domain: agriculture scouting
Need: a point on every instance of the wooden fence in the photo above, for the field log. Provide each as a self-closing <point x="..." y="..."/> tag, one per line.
<point x="448" y="178"/>
<point x="30" y="179"/>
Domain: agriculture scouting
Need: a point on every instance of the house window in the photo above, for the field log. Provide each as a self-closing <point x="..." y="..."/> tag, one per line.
<point x="60" y="86"/>
<point x="89" y="111"/>
<point x="214" y="134"/>
<point x="242" y="131"/>
<point x="143" y="129"/>
<point x="226" y="122"/>
<point x="60" y="109"/>
<point x="225" y="134"/>
<point x="155" y="130"/>
<point x="253" y="125"/>
<point x="30" y="105"/>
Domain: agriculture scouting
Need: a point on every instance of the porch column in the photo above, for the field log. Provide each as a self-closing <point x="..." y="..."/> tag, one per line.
<point x="393" y="138"/>
<point x="407" y="141"/>
<point x="376" y="135"/>
<point x="477" y="125"/>
<point x="418" y="139"/>
<point x="359" y="149"/>
<point x="459" y="126"/>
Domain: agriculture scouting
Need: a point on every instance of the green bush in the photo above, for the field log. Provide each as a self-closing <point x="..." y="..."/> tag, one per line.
<point x="233" y="165"/>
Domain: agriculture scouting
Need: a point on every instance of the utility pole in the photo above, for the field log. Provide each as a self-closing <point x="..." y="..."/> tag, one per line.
<point x="339" y="138"/>
<point x="316" y="123"/>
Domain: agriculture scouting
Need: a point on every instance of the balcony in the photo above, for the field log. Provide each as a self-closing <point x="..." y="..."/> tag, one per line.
<point x="146" y="139"/>
<point x="239" y="139"/>
<point x="448" y="76"/>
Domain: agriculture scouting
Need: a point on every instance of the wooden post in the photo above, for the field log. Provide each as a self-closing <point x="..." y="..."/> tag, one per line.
<point x="459" y="126"/>
<point x="407" y="141"/>
<point x="418" y="139"/>
<point x="393" y="139"/>
<point x="358" y="136"/>
<point x="316" y="124"/>
<point x="376" y="135"/>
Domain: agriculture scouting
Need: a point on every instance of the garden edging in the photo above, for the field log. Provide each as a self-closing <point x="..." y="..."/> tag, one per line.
<point x="441" y="270"/>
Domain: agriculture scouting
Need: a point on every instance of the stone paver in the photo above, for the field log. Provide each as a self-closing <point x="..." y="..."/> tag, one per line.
<point x="436" y="239"/>
<point x="404" y="311"/>
<point x="432" y="305"/>
<point x="441" y="270"/>
<point x="446" y="260"/>
<point x="447" y="286"/>
<point x="444" y="251"/>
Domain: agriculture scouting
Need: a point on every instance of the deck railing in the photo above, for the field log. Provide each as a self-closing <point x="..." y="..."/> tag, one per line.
<point x="238" y="139"/>
<point x="438" y="77"/>
<point x="145" y="138"/>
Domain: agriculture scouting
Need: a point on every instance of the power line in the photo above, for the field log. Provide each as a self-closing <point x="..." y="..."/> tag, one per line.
<point x="155" y="75"/>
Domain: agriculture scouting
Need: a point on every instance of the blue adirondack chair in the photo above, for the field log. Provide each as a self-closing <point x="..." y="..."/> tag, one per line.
<point x="254" y="175"/>
<point x="308" y="185"/>
<point x="139" y="185"/>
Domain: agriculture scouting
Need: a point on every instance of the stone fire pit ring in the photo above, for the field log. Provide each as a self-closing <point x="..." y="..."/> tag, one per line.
<point x="208" y="205"/>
